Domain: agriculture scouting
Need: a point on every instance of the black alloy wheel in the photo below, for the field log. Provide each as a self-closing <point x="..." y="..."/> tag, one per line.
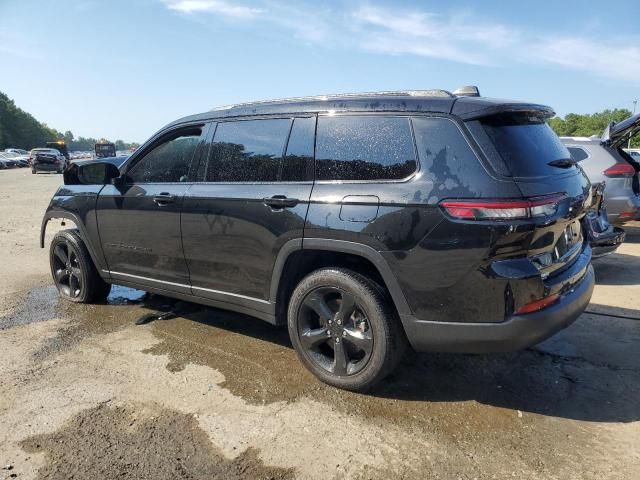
<point x="73" y="271"/>
<point x="344" y="328"/>
<point x="67" y="272"/>
<point x="335" y="332"/>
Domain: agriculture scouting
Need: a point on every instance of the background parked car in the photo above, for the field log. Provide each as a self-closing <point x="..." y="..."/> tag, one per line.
<point x="8" y="160"/>
<point x="19" y="151"/>
<point x="21" y="160"/>
<point x="47" y="160"/>
<point x="603" y="160"/>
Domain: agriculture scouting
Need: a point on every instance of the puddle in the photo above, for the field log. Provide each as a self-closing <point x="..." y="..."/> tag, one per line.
<point x="142" y="442"/>
<point x="256" y="358"/>
<point x="119" y="311"/>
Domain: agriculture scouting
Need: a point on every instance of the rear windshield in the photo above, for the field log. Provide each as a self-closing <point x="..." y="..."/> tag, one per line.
<point x="526" y="144"/>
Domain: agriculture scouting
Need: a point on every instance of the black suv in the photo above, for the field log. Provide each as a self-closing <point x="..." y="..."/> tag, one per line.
<point x="362" y="221"/>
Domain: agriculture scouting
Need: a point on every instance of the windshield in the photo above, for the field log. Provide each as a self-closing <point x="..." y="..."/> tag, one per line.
<point x="526" y="144"/>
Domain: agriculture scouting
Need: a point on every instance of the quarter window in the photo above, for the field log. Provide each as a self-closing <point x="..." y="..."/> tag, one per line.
<point x="446" y="158"/>
<point x="578" y="154"/>
<point x="168" y="162"/>
<point x="364" y="148"/>
<point x="247" y="151"/>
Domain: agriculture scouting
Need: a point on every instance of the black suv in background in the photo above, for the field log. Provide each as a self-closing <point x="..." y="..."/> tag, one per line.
<point x="362" y="221"/>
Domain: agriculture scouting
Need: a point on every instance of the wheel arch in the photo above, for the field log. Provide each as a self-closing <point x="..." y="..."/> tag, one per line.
<point x="54" y="214"/>
<point x="298" y="257"/>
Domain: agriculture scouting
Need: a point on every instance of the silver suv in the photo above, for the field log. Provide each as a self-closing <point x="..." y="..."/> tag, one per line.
<point x="604" y="160"/>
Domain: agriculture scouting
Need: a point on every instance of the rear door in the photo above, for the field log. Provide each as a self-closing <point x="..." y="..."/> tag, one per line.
<point x="139" y="222"/>
<point x="250" y="199"/>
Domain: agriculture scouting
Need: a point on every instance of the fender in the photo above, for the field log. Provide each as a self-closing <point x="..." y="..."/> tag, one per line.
<point x="342" y="246"/>
<point x="98" y="261"/>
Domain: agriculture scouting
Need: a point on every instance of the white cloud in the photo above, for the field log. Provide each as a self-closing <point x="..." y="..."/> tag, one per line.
<point x="616" y="60"/>
<point x="430" y="35"/>
<point x="459" y="37"/>
<point x="221" y="7"/>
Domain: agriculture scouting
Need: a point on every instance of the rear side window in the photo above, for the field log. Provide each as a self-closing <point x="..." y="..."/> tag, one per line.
<point x="526" y="144"/>
<point x="577" y="153"/>
<point x="364" y="148"/>
<point x="298" y="162"/>
<point x="247" y="151"/>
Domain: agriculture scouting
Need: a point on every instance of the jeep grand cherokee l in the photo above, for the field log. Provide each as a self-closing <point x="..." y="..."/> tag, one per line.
<point x="364" y="222"/>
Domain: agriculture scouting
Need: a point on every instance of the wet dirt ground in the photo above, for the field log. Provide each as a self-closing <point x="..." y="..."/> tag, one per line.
<point x="85" y="392"/>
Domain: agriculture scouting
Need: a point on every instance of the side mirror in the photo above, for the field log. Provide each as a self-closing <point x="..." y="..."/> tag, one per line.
<point x="98" y="173"/>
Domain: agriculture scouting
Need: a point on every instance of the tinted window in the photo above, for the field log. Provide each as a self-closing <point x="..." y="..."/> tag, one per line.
<point x="364" y="148"/>
<point x="447" y="159"/>
<point x="247" y="151"/>
<point x="298" y="162"/>
<point x="578" y="154"/>
<point x="169" y="161"/>
<point x="526" y="144"/>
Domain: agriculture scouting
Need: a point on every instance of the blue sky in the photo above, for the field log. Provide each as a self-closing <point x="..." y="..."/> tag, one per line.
<point x="123" y="69"/>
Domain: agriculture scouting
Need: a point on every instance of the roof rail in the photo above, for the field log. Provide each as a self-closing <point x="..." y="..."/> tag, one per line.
<point x="397" y="93"/>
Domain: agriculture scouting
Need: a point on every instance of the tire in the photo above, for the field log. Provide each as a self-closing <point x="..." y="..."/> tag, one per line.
<point x="369" y="334"/>
<point x="33" y="171"/>
<point x="74" y="274"/>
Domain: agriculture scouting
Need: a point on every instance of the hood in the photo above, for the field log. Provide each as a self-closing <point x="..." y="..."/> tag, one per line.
<point x="617" y="133"/>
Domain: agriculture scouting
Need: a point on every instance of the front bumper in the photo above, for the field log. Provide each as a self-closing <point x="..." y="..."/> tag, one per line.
<point x="515" y="333"/>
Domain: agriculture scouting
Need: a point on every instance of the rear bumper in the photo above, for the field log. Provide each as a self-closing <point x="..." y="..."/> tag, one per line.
<point x="607" y="243"/>
<point x="618" y="205"/>
<point x="47" y="167"/>
<point x="517" y="332"/>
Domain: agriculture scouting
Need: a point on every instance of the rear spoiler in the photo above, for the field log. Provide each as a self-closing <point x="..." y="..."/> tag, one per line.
<point x="473" y="108"/>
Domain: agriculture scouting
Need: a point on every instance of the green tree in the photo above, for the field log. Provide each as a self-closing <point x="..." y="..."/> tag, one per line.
<point x="575" y="125"/>
<point x="18" y="129"/>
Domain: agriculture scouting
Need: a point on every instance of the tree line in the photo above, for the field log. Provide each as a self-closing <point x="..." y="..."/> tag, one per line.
<point x="19" y="129"/>
<point x="574" y="125"/>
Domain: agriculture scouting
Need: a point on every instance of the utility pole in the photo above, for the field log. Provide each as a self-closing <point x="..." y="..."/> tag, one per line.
<point x="634" y="112"/>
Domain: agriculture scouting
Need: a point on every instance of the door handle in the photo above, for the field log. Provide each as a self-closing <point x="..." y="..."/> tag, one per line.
<point x="280" y="201"/>
<point x="163" y="198"/>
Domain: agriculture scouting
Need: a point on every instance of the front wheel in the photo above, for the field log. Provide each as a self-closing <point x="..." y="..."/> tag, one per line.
<point x="73" y="271"/>
<point x="344" y="329"/>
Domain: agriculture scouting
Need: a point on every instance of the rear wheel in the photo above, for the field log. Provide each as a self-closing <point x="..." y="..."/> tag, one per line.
<point x="73" y="271"/>
<point x="33" y="171"/>
<point x="345" y="329"/>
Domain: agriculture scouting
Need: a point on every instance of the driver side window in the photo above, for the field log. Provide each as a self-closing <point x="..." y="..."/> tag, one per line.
<point x="169" y="161"/>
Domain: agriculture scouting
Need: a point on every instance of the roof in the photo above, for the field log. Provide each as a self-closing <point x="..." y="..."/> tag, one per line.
<point x="434" y="101"/>
<point x="594" y="140"/>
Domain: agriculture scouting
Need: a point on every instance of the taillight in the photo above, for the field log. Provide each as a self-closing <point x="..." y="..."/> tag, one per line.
<point x="538" y="304"/>
<point x="502" y="209"/>
<point x="627" y="216"/>
<point x="620" y="169"/>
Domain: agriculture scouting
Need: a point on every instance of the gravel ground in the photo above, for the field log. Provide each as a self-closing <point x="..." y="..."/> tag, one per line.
<point x="87" y="393"/>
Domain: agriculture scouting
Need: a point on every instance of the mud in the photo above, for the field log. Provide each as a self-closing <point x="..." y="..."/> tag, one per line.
<point x="145" y="442"/>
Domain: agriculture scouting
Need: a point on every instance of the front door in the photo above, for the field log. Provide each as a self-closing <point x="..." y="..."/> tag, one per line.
<point x="250" y="199"/>
<point x="139" y="222"/>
